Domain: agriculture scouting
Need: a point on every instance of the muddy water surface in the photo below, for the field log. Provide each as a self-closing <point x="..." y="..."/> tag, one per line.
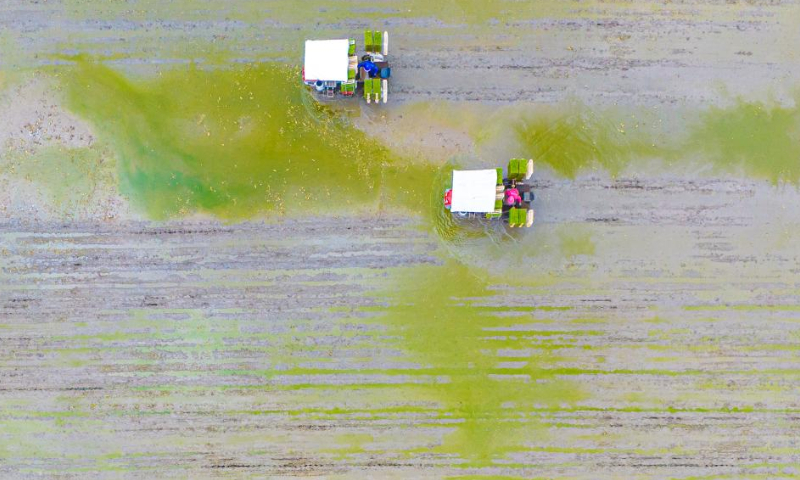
<point x="638" y="329"/>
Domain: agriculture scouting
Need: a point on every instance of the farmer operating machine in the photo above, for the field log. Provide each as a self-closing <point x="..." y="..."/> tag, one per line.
<point x="332" y="67"/>
<point x="488" y="194"/>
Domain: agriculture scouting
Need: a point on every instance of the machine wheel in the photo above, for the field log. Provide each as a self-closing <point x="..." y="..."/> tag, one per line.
<point x="529" y="170"/>
<point x="529" y="218"/>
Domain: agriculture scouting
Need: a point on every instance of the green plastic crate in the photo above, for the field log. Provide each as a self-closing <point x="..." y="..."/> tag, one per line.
<point x="521" y="168"/>
<point x="513" y="169"/>
<point x="352" y="49"/>
<point x="499" y="176"/>
<point x="368" y="44"/>
<point x="367" y="88"/>
<point x="522" y="216"/>
<point x="377" y="41"/>
<point x="512" y="217"/>
<point x="351" y="73"/>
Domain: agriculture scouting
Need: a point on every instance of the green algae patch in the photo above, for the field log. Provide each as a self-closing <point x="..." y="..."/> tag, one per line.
<point x="753" y="138"/>
<point x="234" y="143"/>
<point x="489" y="404"/>
<point x="578" y="138"/>
<point x="761" y="140"/>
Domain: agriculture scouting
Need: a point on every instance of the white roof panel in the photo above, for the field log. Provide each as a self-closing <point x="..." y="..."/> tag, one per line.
<point x="327" y="60"/>
<point x="474" y="190"/>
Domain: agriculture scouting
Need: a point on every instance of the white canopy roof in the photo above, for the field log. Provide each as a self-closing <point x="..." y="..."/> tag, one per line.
<point x="327" y="60"/>
<point x="474" y="190"/>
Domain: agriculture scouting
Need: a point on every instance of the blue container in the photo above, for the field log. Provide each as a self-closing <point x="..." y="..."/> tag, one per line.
<point x="386" y="72"/>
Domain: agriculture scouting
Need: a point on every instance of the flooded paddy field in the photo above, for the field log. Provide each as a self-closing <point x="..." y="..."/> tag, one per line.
<point x="204" y="273"/>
